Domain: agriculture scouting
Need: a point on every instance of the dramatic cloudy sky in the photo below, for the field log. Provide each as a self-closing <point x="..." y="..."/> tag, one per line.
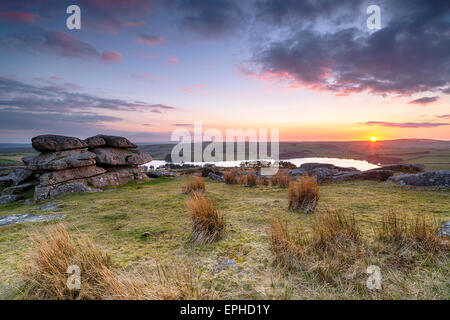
<point x="142" y="69"/>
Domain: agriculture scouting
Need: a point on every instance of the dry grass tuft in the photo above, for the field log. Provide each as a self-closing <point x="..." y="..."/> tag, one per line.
<point x="410" y="231"/>
<point x="334" y="230"/>
<point x="303" y="194"/>
<point x="177" y="282"/>
<point x="286" y="247"/>
<point x="333" y="246"/>
<point x="45" y="275"/>
<point x="251" y="180"/>
<point x="229" y="177"/>
<point x="194" y="184"/>
<point x="247" y="179"/>
<point x="280" y="179"/>
<point x="207" y="223"/>
<point x="263" y="181"/>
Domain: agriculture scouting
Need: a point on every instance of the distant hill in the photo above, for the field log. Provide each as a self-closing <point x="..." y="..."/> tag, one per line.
<point x="9" y="147"/>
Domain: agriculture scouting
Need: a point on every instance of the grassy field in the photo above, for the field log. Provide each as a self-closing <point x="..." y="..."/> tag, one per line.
<point x="115" y="220"/>
<point x="15" y="157"/>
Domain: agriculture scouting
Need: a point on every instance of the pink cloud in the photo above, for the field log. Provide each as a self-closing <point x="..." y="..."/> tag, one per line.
<point x="56" y="78"/>
<point x="73" y="86"/>
<point x="111" y="57"/>
<point x="172" y="60"/>
<point x="187" y="89"/>
<point x="133" y="24"/>
<point x="149" y="40"/>
<point x="18" y="16"/>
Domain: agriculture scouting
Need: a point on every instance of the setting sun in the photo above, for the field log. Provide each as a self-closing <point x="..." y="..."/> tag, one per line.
<point x="373" y="139"/>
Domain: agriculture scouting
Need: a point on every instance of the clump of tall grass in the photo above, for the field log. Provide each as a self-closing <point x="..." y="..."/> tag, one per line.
<point x="280" y="179"/>
<point x="286" y="247"/>
<point x="251" y="180"/>
<point x="45" y="275"/>
<point x="303" y="194"/>
<point x="247" y="179"/>
<point x="53" y="251"/>
<point x="413" y="231"/>
<point x="177" y="282"/>
<point x="333" y="242"/>
<point x="263" y="181"/>
<point x="207" y="223"/>
<point x="194" y="184"/>
<point x="334" y="230"/>
<point x="230" y="177"/>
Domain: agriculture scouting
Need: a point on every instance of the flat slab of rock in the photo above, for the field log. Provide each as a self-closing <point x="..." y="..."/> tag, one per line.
<point x="46" y="143"/>
<point x="405" y="168"/>
<point x="28" y="217"/>
<point x="445" y="230"/>
<point x="50" y="207"/>
<point x="311" y="166"/>
<point x="117" y="176"/>
<point x="16" y="177"/>
<point x="54" y="191"/>
<point x="17" y="189"/>
<point x="439" y="178"/>
<point x="160" y="173"/>
<point x="60" y="160"/>
<point x="55" y="177"/>
<point x="8" y="198"/>
<point x="377" y="175"/>
<point x="116" y="142"/>
<point x="215" y="177"/>
<point x="94" y="142"/>
<point x="120" y="157"/>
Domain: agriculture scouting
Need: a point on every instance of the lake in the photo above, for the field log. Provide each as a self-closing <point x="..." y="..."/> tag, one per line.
<point x="358" y="164"/>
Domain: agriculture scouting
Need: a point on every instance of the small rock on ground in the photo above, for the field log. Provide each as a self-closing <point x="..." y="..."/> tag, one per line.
<point x="445" y="230"/>
<point x="28" y="217"/>
<point x="50" y="206"/>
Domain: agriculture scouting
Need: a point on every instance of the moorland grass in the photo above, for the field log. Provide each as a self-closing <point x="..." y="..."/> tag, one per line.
<point x="194" y="184"/>
<point x="116" y="220"/>
<point x="45" y="274"/>
<point x="303" y="194"/>
<point x="207" y="223"/>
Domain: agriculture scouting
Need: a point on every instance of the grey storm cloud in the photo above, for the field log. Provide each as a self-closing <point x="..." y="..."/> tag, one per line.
<point x="16" y="95"/>
<point x="28" y="107"/>
<point x="57" y="42"/>
<point x="20" y="120"/>
<point x="407" y="124"/>
<point x="410" y="54"/>
<point x="211" y="19"/>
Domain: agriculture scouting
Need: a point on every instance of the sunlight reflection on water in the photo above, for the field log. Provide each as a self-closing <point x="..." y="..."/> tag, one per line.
<point x="358" y="164"/>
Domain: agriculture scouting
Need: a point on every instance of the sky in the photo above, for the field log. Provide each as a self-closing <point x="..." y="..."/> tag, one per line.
<point x="142" y="69"/>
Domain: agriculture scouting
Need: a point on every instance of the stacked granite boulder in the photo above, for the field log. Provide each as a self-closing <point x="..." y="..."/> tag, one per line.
<point x="122" y="165"/>
<point x="68" y="164"/>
